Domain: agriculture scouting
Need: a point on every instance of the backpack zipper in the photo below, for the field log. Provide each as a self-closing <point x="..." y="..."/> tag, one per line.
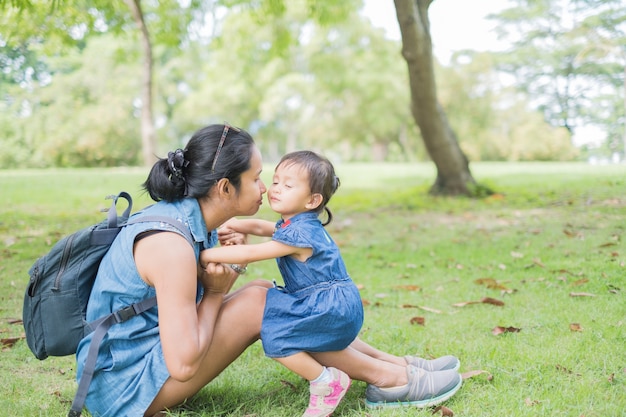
<point x="66" y="254"/>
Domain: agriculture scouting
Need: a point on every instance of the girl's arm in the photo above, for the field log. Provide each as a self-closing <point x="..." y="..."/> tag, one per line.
<point x="255" y="227"/>
<point x="244" y="254"/>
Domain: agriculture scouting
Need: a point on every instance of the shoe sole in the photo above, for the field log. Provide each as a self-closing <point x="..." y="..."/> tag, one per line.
<point x="418" y="404"/>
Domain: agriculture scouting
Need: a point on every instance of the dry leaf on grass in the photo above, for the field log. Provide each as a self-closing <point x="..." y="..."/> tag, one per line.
<point x="485" y="300"/>
<point x="432" y="310"/>
<point x="471" y="374"/>
<point x="575" y="327"/>
<point x="501" y="329"/>
<point x="581" y="294"/>
<point x="11" y="341"/>
<point x="418" y="320"/>
<point x="491" y="283"/>
<point x="445" y="411"/>
<point x="408" y="287"/>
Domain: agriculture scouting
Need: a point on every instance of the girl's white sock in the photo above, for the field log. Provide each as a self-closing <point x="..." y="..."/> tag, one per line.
<point x="325" y="376"/>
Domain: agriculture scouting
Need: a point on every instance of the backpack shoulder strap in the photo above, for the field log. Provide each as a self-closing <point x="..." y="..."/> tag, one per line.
<point x="103" y="324"/>
<point x="165" y="219"/>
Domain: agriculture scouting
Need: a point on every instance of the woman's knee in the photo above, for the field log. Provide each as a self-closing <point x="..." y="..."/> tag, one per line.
<point x="247" y="306"/>
<point x="262" y="283"/>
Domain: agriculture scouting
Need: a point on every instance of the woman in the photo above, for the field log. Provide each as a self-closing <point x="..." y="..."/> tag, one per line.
<point x="143" y="368"/>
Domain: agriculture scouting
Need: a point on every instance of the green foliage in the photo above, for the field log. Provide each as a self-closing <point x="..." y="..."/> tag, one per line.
<point x="296" y="74"/>
<point x="556" y="229"/>
<point x="569" y="58"/>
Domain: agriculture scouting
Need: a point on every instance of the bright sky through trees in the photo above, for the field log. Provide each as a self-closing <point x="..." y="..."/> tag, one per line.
<point x="455" y="24"/>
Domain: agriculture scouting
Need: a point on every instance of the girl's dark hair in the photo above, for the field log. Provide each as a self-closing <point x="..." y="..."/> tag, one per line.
<point x="193" y="171"/>
<point x="322" y="178"/>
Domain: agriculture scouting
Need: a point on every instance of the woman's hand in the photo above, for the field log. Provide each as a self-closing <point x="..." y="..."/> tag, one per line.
<point x="217" y="278"/>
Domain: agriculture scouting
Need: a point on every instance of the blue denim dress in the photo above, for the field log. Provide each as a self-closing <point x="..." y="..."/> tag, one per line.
<point x="131" y="368"/>
<point x="319" y="309"/>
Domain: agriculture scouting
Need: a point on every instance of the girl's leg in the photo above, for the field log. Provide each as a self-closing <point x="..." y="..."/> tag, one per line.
<point x="439" y="364"/>
<point x="302" y="364"/>
<point x="237" y="327"/>
<point x="361" y="366"/>
<point x="390" y="383"/>
<point x="327" y="385"/>
<point x="369" y="350"/>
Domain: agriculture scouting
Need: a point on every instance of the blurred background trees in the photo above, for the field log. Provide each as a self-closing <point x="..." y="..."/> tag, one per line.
<point x="306" y="74"/>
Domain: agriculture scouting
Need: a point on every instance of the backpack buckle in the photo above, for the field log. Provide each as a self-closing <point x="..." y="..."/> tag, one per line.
<point x="125" y="313"/>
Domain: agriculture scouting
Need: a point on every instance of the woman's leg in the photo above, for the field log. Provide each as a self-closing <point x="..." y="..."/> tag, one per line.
<point x="237" y="327"/>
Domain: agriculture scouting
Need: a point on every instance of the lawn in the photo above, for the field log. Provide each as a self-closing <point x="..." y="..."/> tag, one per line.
<point x="527" y="287"/>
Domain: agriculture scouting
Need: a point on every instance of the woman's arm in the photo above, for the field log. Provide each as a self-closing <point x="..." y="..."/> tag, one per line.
<point x="167" y="262"/>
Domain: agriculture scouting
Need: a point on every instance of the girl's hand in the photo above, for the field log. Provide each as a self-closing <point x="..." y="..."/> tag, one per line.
<point x="228" y="236"/>
<point x="217" y="278"/>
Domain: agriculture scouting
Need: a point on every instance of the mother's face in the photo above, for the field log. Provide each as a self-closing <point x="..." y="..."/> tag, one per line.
<point x="251" y="191"/>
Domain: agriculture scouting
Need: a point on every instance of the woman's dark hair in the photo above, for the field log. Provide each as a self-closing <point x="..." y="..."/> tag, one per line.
<point x="322" y="178"/>
<point x="193" y="171"/>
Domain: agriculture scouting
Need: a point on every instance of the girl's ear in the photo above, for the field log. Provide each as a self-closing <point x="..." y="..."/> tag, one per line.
<point x="315" y="201"/>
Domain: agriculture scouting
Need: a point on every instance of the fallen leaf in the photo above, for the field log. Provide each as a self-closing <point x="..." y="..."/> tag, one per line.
<point x="11" y="341"/>
<point x="491" y="283"/>
<point x="569" y="233"/>
<point x="471" y="374"/>
<point x="485" y="300"/>
<point x="432" y="310"/>
<point x="500" y="329"/>
<point x="465" y="303"/>
<point x="575" y="327"/>
<point x="492" y="301"/>
<point x="580" y="282"/>
<point x="581" y="294"/>
<point x="445" y="411"/>
<point x="418" y="320"/>
<point x="611" y="378"/>
<point x="604" y="245"/>
<point x="408" y="287"/>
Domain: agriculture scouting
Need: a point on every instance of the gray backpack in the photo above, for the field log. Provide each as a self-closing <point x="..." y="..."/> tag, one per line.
<point x="55" y="302"/>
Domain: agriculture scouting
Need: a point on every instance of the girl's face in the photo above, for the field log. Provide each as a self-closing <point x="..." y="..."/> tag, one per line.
<point x="289" y="193"/>
<point x="251" y="191"/>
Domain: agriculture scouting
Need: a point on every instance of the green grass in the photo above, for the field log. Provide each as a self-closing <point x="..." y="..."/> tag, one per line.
<point x="552" y="230"/>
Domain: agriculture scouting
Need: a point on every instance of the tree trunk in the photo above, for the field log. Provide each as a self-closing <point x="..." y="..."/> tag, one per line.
<point x="148" y="131"/>
<point x="453" y="174"/>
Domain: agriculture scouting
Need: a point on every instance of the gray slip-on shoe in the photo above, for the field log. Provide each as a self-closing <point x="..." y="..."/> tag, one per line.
<point x="439" y="364"/>
<point x="424" y="389"/>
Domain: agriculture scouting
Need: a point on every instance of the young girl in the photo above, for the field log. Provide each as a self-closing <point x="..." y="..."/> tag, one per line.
<point x="319" y="309"/>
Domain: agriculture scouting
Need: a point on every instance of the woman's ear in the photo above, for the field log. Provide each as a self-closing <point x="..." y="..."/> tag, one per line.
<point x="315" y="201"/>
<point x="224" y="188"/>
